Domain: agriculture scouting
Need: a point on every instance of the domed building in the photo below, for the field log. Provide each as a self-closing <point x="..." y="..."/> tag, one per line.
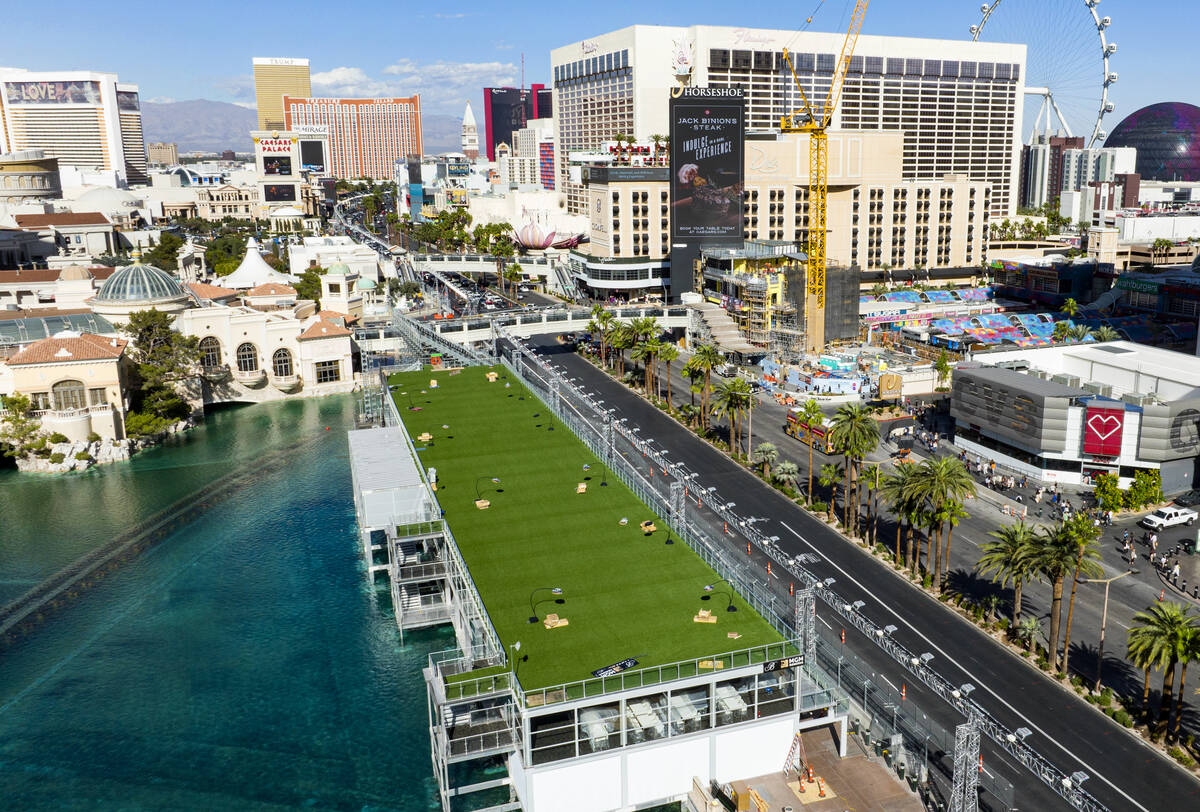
<point x="1167" y="138"/>
<point x="139" y="287"/>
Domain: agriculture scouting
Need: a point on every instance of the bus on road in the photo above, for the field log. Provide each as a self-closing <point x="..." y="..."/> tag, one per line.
<point x="802" y="432"/>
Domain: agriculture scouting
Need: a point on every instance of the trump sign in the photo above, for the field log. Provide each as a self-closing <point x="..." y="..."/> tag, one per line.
<point x="1102" y="429"/>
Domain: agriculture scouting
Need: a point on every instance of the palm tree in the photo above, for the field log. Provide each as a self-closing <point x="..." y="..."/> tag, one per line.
<point x="897" y="492"/>
<point x="938" y="483"/>
<point x="1084" y="532"/>
<point x="667" y="353"/>
<point x="1062" y="330"/>
<point x="727" y="403"/>
<point x="1070" y="307"/>
<point x="622" y="339"/>
<point x="855" y="433"/>
<point x="1105" y="333"/>
<point x="1009" y="558"/>
<point x="694" y="374"/>
<point x="942" y="367"/>
<point x="1189" y="651"/>
<point x="951" y="515"/>
<point x="1157" y="641"/>
<point x="765" y="455"/>
<point x="829" y="476"/>
<point x="645" y="351"/>
<point x="811" y="415"/>
<point x="602" y="324"/>
<point x="1028" y="630"/>
<point x="707" y="358"/>
<point x="786" y="473"/>
<point x="1079" y="332"/>
<point x="871" y="475"/>
<point x="1056" y="555"/>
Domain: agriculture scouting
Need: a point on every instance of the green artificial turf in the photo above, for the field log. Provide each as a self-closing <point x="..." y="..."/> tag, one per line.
<point x="626" y="594"/>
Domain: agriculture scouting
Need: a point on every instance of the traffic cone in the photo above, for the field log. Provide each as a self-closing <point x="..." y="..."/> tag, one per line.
<point x="981" y="763"/>
<point x="843" y="637"/>
<point x="903" y="692"/>
<point x="651" y="470"/>
<point x="1161" y="593"/>
<point x="800" y="784"/>
<point x="820" y="788"/>
<point x="810" y="774"/>
<point x="768" y="569"/>
<point x="791" y="588"/>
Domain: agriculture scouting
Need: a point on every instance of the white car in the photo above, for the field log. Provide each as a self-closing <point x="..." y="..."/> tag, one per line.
<point x="1168" y="517"/>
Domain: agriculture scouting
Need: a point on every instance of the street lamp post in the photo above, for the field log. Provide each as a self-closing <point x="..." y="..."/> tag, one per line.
<point x="478" y="493"/>
<point x="729" y="594"/>
<point x="1103" y="617"/>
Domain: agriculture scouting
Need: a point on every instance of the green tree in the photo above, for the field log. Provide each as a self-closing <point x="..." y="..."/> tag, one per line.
<point x="695" y="376"/>
<point x="872" y="477"/>
<point x="1028" y="630"/>
<point x="829" y="476"/>
<point x="707" y="358"/>
<point x="163" y="358"/>
<point x="1056" y="554"/>
<point x="1085" y="534"/>
<point x="765" y="455"/>
<point x="601" y="327"/>
<point x="19" y="429"/>
<point x="1079" y="333"/>
<point x="309" y="286"/>
<point x="1062" y="330"/>
<point x="667" y="353"/>
<point x="165" y="254"/>
<point x="644" y="352"/>
<point x="786" y="473"/>
<point x="1108" y="492"/>
<point x="1189" y="652"/>
<point x="855" y="434"/>
<point x="1070" y="308"/>
<point x="1105" y="333"/>
<point x="621" y="340"/>
<point x="897" y="490"/>
<point x="939" y="483"/>
<point x="1160" y="638"/>
<point x="943" y="368"/>
<point x="732" y="397"/>
<point x="229" y="247"/>
<point x="810" y="413"/>
<point x="1145" y="490"/>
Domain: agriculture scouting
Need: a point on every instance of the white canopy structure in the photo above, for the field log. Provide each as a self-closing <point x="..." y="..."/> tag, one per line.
<point x="254" y="271"/>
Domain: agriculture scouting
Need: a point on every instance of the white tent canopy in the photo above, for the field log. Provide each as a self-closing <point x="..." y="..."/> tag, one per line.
<point x="254" y="271"/>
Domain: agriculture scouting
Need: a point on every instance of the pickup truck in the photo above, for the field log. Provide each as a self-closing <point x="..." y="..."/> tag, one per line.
<point x="1168" y="517"/>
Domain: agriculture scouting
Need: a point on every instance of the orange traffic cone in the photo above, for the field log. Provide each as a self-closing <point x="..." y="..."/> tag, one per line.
<point x="810" y="774"/>
<point x="800" y="784"/>
<point x="1161" y="593"/>
<point x="903" y="692"/>
<point x="820" y="788"/>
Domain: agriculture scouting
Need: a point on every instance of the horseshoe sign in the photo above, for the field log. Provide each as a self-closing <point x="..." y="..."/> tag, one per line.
<point x="1102" y="430"/>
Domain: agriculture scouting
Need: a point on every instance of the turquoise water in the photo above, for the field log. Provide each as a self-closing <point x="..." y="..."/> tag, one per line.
<point x="242" y="663"/>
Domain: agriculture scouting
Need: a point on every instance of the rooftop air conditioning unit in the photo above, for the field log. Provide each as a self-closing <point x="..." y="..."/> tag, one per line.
<point x="1136" y="398"/>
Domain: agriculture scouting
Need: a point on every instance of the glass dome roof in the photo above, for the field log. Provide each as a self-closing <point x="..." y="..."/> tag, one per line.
<point x="140" y="283"/>
<point x="1167" y="137"/>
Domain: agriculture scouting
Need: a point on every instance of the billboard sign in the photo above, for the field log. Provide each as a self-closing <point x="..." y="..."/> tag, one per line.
<point x="53" y="92"/>
<point x="276" y="146"/>
<point x="708" y="132"/>
<point x="279" y="193"/>
<point x="310" y="129"/>
<point x="456" y="197"/>
<point x="312" y="156"/>
<point x="891" y="386"/>
<point x="277" y="165"/>
<point x="795" y="661"/>
<point x="1102" y="430"/>
<point x="615" y="668"/>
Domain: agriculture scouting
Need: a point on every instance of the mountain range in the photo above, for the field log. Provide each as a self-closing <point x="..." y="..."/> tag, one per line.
<point x="200" y="125"/>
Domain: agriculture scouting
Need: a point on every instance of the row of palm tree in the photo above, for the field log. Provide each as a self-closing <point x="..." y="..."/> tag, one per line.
<point x="928" y="497"/>
<point x="1166" y="635"/>
<point x="1020" y="555"/>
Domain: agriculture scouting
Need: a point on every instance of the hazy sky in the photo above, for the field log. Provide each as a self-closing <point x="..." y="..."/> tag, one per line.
<point x="448" y="53"/>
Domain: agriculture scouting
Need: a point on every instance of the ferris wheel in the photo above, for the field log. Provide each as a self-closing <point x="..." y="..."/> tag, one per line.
<point x="1067" y="70"/>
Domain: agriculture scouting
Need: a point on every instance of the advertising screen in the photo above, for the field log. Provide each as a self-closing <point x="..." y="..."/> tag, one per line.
<point x="312" y="156"/>
<point x="458" y="169"/>
<point x="1102" y="429"/>
<point x="456" y="197"/>
<point x="277" y="165"/>
<point x="53" y="92"/>
<point x="279" y="193"/>
<point x="707" y="135"/>
<point x="127" y="101"/>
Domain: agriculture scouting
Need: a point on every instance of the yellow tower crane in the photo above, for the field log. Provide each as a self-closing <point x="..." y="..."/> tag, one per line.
<point x="816" y="123"/>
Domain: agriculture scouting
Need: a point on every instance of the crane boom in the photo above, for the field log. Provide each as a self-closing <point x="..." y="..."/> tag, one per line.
<point x="816" y="124"/>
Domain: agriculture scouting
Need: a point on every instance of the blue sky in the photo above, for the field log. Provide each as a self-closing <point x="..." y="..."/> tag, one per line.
<point x="448" y="52"/>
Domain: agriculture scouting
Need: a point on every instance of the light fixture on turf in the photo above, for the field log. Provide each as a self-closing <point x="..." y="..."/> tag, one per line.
<point x="478" y="493"/>
<point x="554" y="590"/>
<point x="728" y="594"/>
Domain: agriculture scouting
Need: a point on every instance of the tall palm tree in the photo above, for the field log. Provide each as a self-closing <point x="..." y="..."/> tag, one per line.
<point x="707" y="358"/>
<point x="872" y="475"/>
<point x="810" y="414"/>
<point x="727" y="403"/>
<point x="1056" y="554"/>
<point x="601" y="326"/>
<point x="951" y="515"/>
<point x="786" y="473"/>
<point x="667" y="353"/>
<point x="1070" y="307"/>
<point x="1009" y="559"/>
<point x="1084" y="533"/>
<point x="645" y="351"/>
<point x="1062" y="330"/>
<point x="695" y="375"/>
<point x="1105" y="333"/>
<point x="829" y="476"/>
<point x="937" y="483"/>
<point x="897" y="491"/>
<point x="1156" y="642"/>
<point x="1189" y="651"/>
<point x="622" y="339"/>
<point x="765" y="455"/>
<point x="855" y="433"/>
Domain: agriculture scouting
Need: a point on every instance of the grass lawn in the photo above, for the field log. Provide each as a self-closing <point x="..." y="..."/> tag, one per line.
<point x="625" y="594"/>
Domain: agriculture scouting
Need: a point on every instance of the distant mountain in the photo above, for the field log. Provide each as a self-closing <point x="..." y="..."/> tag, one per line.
<point x="441" y="133"/>
<point x="212" y="126"/>
<point x="199" y="125"/>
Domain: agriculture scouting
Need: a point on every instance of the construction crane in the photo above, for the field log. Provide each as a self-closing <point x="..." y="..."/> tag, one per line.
<point x="816" y="124"/>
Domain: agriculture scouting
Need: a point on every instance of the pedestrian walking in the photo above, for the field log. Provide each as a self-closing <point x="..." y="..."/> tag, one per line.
<point x="1175" y="572"/>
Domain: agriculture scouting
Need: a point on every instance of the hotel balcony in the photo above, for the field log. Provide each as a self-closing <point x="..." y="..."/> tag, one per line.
<point x="254" y="377"/>
<point x="285" y="383"/>
<point x="216" y="374"/>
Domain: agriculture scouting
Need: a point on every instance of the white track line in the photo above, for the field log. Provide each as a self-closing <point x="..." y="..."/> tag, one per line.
<point x="978" y="682"/>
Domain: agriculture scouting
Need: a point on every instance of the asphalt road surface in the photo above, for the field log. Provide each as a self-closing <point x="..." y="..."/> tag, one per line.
<point x="1123" y="773"/>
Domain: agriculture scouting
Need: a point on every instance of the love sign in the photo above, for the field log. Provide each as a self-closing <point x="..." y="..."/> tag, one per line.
<point x="1102" y="429"/>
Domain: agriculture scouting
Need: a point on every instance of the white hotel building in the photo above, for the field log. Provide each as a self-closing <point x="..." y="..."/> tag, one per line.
<point x="89" y="121"/>
<point x="957" y="103"/>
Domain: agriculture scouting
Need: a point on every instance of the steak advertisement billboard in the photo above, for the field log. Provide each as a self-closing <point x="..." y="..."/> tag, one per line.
<point x="707" y="137"/>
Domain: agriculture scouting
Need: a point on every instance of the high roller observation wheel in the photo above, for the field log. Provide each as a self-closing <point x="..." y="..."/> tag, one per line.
<point x="1067" y="60"/>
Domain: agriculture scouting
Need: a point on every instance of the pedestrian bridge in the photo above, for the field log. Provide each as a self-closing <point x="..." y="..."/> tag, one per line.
<point x="549" y="321"/>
